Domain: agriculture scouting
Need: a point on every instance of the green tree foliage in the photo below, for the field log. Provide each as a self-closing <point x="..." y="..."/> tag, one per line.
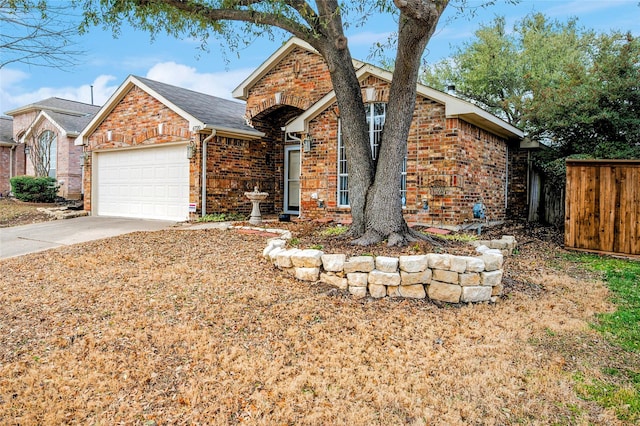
<point x="575" y="90"/>
<point x="501" y="70"/>
<point x="596" y="109"/>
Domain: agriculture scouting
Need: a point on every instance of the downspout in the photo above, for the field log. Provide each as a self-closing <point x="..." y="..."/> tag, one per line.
<point x="506" y="183"/>
<point x="11" y="164"/>
<point x="204" y="172"/>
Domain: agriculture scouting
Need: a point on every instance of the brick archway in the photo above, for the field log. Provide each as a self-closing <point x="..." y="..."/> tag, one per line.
<point x="277" y="101"/>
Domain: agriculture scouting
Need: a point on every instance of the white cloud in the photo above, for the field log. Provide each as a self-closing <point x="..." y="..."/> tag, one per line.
<point x="10" y="79"/>
<point x="219" y="84"/>
<point x="12" y="97"/>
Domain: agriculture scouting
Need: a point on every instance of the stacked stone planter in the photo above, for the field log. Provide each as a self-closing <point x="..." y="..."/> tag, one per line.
<point x="442" y="277"/>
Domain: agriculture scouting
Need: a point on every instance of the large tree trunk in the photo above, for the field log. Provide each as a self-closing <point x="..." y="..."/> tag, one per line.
<point x="383" y="210"/>
<point x="355" y="131"/>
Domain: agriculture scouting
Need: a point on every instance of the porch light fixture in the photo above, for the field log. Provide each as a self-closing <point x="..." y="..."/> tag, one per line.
<point x="27" y="149"/>
<point x="191" y="150"/>
<point x="307" y="143"/>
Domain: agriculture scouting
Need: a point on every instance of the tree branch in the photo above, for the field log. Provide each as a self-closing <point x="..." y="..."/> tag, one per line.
<point x="210" y="14"/>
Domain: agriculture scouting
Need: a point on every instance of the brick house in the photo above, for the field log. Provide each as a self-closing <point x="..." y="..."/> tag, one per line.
<point x="12" y="157"/>
<point x="286" y="140"/>
<point x="144" y="154"/>
<point x="458" y="154"/>
<point x="54" y="123"/>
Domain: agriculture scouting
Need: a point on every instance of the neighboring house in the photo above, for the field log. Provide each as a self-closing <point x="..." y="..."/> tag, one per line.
<point x="147" y="146"/>
<point x="48" y="130"/>
<point x="12" y="158"/>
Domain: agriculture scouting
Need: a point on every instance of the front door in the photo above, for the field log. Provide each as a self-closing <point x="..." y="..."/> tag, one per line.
<point x="292" y="179"/>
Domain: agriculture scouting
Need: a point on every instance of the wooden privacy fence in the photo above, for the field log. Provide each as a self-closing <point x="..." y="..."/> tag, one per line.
<point x="602" y="210"/>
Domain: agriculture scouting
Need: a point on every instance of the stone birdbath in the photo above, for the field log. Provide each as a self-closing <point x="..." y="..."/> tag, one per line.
<point x="255" y="197"/>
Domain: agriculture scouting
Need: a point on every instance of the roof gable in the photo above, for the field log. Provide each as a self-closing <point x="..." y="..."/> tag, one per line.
<point x="242" y="91"/>
<point x="454" y="107"/>
<point x="199" y="109"/>
<point x="35" y="124"/>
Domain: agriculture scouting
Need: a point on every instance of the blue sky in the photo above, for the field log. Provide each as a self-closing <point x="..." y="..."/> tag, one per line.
<point x="108" y="61"/>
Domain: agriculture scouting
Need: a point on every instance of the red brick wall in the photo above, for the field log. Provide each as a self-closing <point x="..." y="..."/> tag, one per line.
<point x="518" y="206"/>
<point x="236" y="166"/>
<point x="470" y="162"/>
<point x="134" y="122"/>
<point x="299" y="90"/>
<point x="6" y="171"/>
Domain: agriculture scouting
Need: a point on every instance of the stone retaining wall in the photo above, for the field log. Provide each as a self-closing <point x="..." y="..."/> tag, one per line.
<point x="442" y="277"/>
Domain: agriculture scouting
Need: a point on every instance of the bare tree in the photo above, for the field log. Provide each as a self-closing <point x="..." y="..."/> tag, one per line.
<point x="37" y="33"/>
<point x="41" y="150"/>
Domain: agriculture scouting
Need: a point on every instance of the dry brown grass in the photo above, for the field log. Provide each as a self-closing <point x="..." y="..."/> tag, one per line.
<point x="192" y="327"/>
<point x="14" y="212"/>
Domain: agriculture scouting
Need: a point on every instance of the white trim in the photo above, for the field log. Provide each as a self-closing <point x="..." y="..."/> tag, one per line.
<point x="454" y="107"/>
<point x="115" y="99"/>
<point x="36" y="122"/>
<point x="287" y="150"/>
<point x="234" y="133"/>
<point x="242" y="91"/>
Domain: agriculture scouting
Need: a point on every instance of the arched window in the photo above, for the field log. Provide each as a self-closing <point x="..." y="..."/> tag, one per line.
<point x="376" y="115"/>
<point x="47" y="154"/>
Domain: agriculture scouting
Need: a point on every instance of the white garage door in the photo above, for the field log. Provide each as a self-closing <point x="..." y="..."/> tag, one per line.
<point x="148" y="183"/>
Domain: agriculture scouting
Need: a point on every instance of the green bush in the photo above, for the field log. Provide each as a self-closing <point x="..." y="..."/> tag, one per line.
<point x="36" y="189"/>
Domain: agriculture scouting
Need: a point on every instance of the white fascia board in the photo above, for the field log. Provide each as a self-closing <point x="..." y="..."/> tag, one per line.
<point x="182" y="113"/>
<point x="454" y="107"/>
<point x="39" y="107"/>
<point x="301" y="123"/>
<point x="242" y="91"/>
<point x="36" y="122"/>
<point x="235" y="133"/>
<point x="118" y="95"/>
<point x="106" y="109"/>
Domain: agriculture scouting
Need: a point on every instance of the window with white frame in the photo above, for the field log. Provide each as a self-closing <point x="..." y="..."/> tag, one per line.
<point x="376" y="114"/>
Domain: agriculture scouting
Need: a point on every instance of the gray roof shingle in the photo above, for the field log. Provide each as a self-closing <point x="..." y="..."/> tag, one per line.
<point x="72" y="124"/>
<point x="6" y="129"/>
<point x="211" y="110"/>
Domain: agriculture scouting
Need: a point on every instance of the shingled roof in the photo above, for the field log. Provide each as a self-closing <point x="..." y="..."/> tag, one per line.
<point x="69" y="116"/>
<point x="6" y="131"/>
<point x="214" y="111"/>
<point x="200" y="109"/>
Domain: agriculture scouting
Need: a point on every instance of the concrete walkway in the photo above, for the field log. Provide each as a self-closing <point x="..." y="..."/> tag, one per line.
<point x="19" y="240"/>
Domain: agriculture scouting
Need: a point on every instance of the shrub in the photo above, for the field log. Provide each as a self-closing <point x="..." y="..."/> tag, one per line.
<point x="222" y="217"/>
<point x="38" y="189"/>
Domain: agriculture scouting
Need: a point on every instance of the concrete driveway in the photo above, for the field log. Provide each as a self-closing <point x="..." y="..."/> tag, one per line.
<point x="19" y="240"/>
